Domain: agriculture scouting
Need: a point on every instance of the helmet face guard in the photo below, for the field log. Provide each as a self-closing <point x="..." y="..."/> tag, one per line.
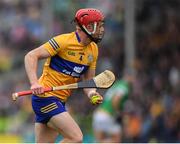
<point x="84" y="17"/>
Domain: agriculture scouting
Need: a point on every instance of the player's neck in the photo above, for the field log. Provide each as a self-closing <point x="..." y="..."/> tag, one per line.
<point x="86" y="42"/>
<point x="83" y="38"/>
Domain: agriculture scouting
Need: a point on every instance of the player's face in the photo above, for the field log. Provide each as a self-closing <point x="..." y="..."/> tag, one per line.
<point x="99" y="30"/>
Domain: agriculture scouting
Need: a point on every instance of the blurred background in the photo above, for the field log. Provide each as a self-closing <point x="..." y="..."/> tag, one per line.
<point x="141" y="35"/>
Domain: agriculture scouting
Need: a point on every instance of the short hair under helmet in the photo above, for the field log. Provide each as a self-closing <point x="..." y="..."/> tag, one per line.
<point x="87" y="16"/>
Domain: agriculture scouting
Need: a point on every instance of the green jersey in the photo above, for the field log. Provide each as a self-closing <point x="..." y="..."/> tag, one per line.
<point x="120" y="88"/>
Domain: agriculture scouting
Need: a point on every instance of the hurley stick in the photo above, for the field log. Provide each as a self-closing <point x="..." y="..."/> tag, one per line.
<point x="102" y="80"/>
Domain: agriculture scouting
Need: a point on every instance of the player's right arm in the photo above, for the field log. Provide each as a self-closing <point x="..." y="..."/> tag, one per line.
<point x="31" y="64"/>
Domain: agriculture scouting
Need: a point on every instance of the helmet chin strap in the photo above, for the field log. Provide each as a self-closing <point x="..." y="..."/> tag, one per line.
<point x="84" y="29"/>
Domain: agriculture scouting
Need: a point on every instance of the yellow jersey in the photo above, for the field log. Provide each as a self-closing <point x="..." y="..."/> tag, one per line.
<point x="69" y="60"/>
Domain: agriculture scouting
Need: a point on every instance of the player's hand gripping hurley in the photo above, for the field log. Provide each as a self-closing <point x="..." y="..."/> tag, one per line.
<point x="102" y="80"/>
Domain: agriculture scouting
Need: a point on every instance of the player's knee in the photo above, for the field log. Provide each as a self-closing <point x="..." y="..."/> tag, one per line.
<point x="77" y="138"/>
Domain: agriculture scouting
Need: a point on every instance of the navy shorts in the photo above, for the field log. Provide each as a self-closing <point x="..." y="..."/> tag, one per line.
<point x="45" y="108"/>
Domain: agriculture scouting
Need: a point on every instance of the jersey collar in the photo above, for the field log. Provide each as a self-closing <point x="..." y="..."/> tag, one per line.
<point x="78" y="38"/>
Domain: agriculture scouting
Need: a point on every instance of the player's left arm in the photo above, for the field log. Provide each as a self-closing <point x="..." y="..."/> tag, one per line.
<point x="118" y="95"/>
<point x="93" y="95"/>
<point x="116" y="100"/>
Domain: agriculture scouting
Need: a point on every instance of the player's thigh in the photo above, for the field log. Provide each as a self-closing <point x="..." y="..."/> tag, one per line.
<point x="44" y="134"/>
<point x="66" y="125"/>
